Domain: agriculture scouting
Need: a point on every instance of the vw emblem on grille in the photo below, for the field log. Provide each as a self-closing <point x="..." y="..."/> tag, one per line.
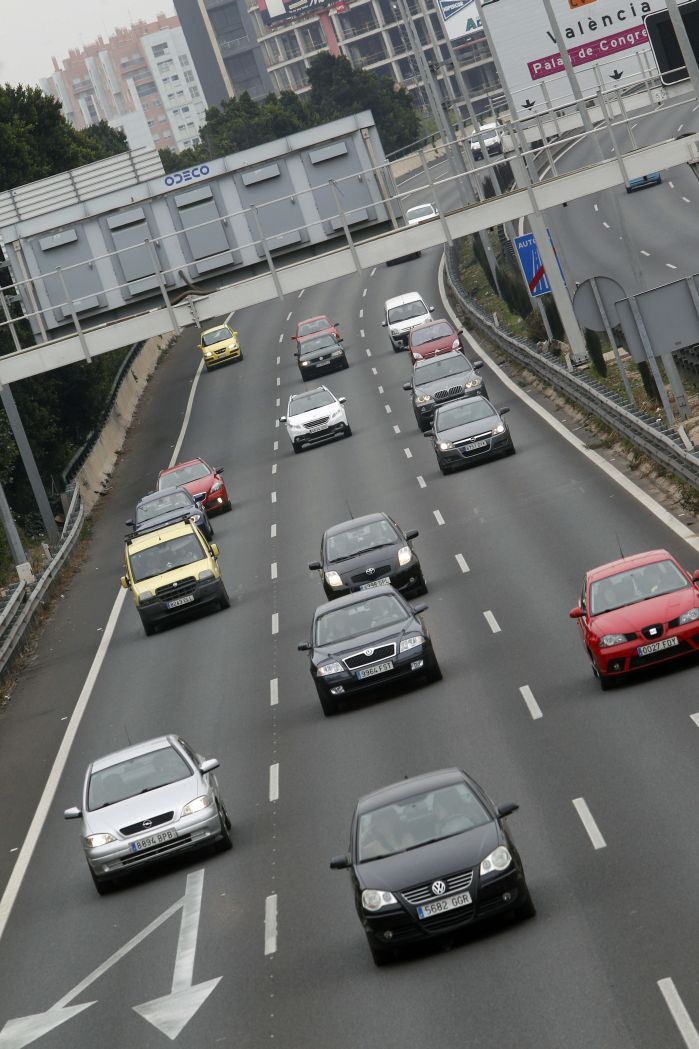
<point x="148" y="823"/>
<point x="438" y="888"/>
<point x="368" y="651"/>
<point x="370" y="571"/>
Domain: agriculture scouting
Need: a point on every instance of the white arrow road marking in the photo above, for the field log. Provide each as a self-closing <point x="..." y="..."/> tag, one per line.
<point x="171" y="1012"/>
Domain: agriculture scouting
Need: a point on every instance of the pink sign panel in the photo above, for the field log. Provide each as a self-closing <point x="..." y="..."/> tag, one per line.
<point x="604" y="47"/>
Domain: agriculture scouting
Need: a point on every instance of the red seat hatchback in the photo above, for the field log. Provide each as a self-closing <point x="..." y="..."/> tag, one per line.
<point x="637" y="611"/>
<point x="432" y="338"/>
<point x="203" y="482"/>
<point x="314" y="325"/>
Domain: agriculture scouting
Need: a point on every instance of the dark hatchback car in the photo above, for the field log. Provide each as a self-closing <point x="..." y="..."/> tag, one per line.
<point x="367" y="552"/>
<point x="469" y="432"/>
<point x="166" y="507"/>
<point x="320" y="353"/>
<point x="366" y="640"/>
<point x="449" y="377"/>
<point x="431" y="855"/>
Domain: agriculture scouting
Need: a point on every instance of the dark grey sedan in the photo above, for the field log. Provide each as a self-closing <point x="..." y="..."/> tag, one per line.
<point x="468" y="432"/>
<point x="168" y="506"/>
<point x="146" y="802"/>
<point x="449" y="377"/>
<point x="320" y="353"/>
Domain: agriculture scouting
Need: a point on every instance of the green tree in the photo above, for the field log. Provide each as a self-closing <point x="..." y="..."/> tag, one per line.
<point x="104" y="140"/>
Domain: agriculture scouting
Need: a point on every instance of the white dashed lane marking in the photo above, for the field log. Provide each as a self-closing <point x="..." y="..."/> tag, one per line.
<point x="274" y="468"/>
<point x="646" y="253"/>
<point x="670" y="266"/>
<point x="461" y="562"/>
<point x="279" y="381"/>
<point x="281" y="337"/>
<point x="273" y="570"/>
<point x="679" y="1013"/>
<point x="368" y="352"/>
<point x="686" y="200"/>
<point x="596" y="207"/>
<point x="528" y="697"/>
<point x="364" y="293"/>
<point x="271" y="913"/>
<point x="374" y="371"/>
<point x="361" y="313"/>
<point x="274" y="782"/>
<point x="396" y="428"/>
<point x="274" y="497"/>
<point x="275" y="623"/>
<point x="438" y="517"/>
<point x="373" y="272"/>
<point x="273" y="692"/>
<point x="279" y="360"/>
<point x="492" y="622"/>
<point x="606" y="225"/>
<point x="288" y="316"/>
<point x="301" y="292"/>
<point x="588" y="823"/>
<point x="388" y="409"/>
<point x="380" y="389"/>
<point x="273" y="532"/>
<point x="422" y="482"/>
<point x="408" y="453"/>
<point x="361" y="333"/>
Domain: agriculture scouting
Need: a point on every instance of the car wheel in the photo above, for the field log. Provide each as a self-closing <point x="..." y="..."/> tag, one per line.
<point x="224" y="600"/>
<point x="327" y="702"/>
<point x="422" y="425"/>
<point x="381" y="955"/>
<point x="297" y="447"/>
<point x="434" y="671"/>
<point x="444" y="469"/>
<point x="225" y="842"/>
<point x="345" y="364"/>
<point x="420" y="586"/>
<point x="525" y="908"/>
<point x="348" y="430"/>
<point x="103" y="885"/>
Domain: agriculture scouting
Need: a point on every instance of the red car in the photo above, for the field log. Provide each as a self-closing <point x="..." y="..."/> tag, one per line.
<point x="432" y="338"/>
<point x="314" y="325"/>
<point x="203" y="482"/>
<point x="637" y="611"/>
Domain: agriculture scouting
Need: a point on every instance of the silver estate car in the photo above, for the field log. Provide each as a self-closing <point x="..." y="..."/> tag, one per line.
<point x="147" y="802"/>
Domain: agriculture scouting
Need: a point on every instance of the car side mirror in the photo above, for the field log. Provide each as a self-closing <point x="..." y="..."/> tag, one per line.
<point x="199" y="499"/>
<point x="431" y="309"/>
<point x="305" y="646"/>
<point x="341" y="400"/>
<point x="576" y="613"/>
<point x="477" y="365"/>
<point x="73" y="813"/>
<point x="428" y="433"/>
<point x="124" y="582"/>
<point x="507" y="809"/>
<point x="504" y="411"/>
<point x="294" y="338"/>
<point x="296" y="353"/>
<point x="412" y="534"/>
<point x="214" y="549"/>
<point x="339" y="863"/>
<point x="407" y="386"/>
<point x="336" y="323"/>
<point x="209" y="765"/>
<point x="384" y="324"/>
<point x="421" y="607"/>
<point x="695" y="576"/>
<point x="314" y="566"/>
<point x="129" y="522"/>
<point x="282" y="418"/>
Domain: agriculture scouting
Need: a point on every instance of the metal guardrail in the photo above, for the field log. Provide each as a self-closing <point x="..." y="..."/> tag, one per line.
<point x="661" y="444"/>
<point x="18" y="612"/>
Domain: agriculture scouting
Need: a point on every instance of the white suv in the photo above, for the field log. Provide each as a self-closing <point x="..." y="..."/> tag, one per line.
<point x="315" y="416"/>
<point x="402" y="314"/>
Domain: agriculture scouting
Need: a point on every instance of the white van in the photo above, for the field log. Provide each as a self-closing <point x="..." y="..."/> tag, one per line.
<point x="490" y="134"/>
<point x="402" y="314"/>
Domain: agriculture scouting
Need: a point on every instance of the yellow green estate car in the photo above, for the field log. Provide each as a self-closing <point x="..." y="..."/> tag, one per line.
<point x="219" y="345"/>
<point x="171" y="569"/>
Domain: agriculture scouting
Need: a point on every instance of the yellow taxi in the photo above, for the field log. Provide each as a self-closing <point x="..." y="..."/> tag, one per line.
<point x="171" y="570"/>
<point x="219" y="345"/>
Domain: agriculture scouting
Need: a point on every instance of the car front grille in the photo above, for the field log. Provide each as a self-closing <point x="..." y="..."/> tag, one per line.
<point x="447" y="395"/>
<point x="463" y="444"/>
<point x="178" y="589"/>
<point x="317" y="422"/>
<point x="653" y="632"/>
<point x="368" y="577"/>
<point x="163" y="847"/>
<point x="455" y="883"/>
<point x="151" y="821"/>
<point x="370" y="655"/>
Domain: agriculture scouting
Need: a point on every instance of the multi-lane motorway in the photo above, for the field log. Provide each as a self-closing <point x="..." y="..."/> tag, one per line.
<point x="606" y="783"/>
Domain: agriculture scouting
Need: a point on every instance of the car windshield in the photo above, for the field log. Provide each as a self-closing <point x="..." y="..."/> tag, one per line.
<point x="343" y="545"/>
<point x="147" y="511"/>
<point x="308" y="401"/>
<point x="318" y="342"/>
<point x="210" y="338"/>
<point x="470" y="411"/>
<point x="636" y="584"/>
<point x="438" y="330"/>
<point x="440" y="369"/>
<point x="419" y="820"/>
<point x="407" y="311"/>
<point x="422" y="211"/>
<point x="375" y="613"/>
<point x="309" y="327"/>
<point x="183" y="475"/>
<point x="135" y="776"/>
<point x="163" y="557"/>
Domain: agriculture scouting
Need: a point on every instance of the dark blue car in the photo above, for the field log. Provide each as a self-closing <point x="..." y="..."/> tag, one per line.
<point x="167" y="506"/>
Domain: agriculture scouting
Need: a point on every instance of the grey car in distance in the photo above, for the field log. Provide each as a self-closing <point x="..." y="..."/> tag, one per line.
<point x="147" y="802"/>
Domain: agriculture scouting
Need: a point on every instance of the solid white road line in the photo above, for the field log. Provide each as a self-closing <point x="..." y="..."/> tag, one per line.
<point x="274" y="782"/>
<point x="438" y="517"/>
<point x="492" y="622"/>
<point x="275" y="622"/>
<point x="396" y="428"/>
<point x="421" y="481"/>
<point x="461" y="562"/>
<point x="388" y="409"/>
<point x="408" y="453"/>
<point x="271" y="924"/>
<point x="273" y="569"/>
<point x="273" y="692"/>
<point x="588" y="823"/>
<point x="273" y="532"/>
<point x="528" y="697"/>
<point x="679" y="1013"/>
<point x="273" y="496"/>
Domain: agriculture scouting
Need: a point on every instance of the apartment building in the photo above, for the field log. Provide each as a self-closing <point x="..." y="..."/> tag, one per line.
<point x="141" y="79"/>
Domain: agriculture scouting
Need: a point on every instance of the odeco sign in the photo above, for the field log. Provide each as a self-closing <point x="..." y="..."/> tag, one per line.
<point x="178" y="177"/>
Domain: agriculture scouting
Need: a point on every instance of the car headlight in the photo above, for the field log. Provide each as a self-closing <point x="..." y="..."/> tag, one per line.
<point x="472" y="383"/>
<point x="216" y="486"/>
<point x="499" y="429"/>
<point x="444" y="446"/>
<point x="411" y="642"/>
<point x="337" y="353"/>
<point x="304" y="364"/>
<point x="208" y="353"/>
<point x="330" y="668"/>
<point x="206" y="574"/>
<point x="336" y="413"/>
<point x="204" y="801"/>
<point x="233" y="345"/>
<point x="456" y="345"/>
<point x="394" y="331"/>
<point x="612" y="639"/>
<point x="93" y="841"/>
<point x="689" y="616"/>
<point x="333" y="579"/>
<point x="423" y="398"/>
<point x="375" y="899"/>
<point x="499" y="860"/>
<point x="404" y="555"/>
<point x="297" y="427"/>
<point x="145" y="597"/>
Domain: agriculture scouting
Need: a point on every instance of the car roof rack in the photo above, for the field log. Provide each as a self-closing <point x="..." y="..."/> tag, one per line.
<point x="188" y="516"/>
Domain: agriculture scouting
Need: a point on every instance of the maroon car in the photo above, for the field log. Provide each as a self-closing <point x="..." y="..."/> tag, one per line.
<point x="203" y="482"/>
<point x="315" y="325"/>
<point x="432" y="338"/>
